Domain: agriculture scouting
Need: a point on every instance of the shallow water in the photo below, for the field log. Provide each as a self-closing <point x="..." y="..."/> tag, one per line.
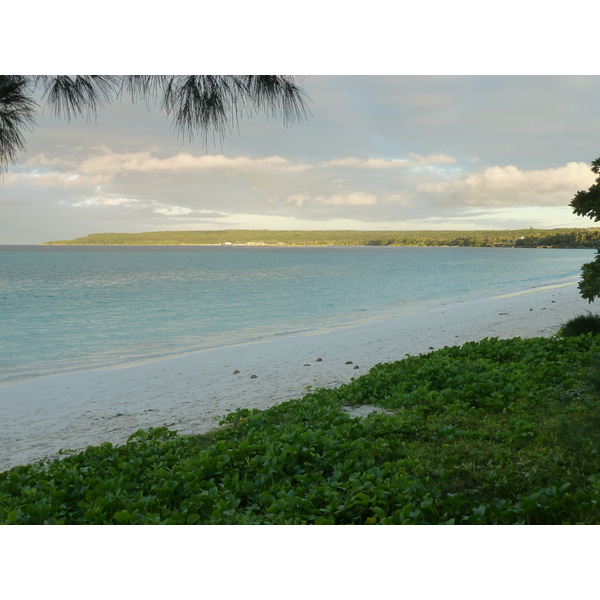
<point x="69" y="308"/>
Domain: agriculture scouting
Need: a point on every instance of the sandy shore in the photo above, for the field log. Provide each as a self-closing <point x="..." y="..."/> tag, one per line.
<point x="189" y="393"/>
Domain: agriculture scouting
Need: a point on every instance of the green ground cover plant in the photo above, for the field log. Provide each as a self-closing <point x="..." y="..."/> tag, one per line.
<point x="492" y="432"/>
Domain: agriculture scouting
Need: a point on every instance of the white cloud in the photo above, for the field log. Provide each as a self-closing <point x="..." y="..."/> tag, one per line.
<point x="352" y="199"/>
<point x="173" y="211"/>
<point x="146" y="162"/>
<point x="511" y="186"/>
<point x="180" y="211"/>
<point x="412" y="160"/>
<point x="430" y="159"/>
<point x="49" y="179"/>
<point x="60" y="163"/>
<point x="111" y="201"/>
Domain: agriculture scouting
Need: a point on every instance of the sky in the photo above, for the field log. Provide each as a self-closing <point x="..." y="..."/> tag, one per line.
<point x="376" y="152"/>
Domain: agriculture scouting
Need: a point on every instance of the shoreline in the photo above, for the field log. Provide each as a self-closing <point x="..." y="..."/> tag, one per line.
<point x="190" y="392"/>
<point x="282" y="245"/>
<point x="130" y="362"/>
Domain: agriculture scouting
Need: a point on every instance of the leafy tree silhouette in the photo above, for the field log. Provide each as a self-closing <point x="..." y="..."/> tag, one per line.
<point x="587" y="204"/>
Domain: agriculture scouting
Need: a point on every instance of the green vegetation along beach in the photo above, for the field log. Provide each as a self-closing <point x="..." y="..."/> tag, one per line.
<point x="494" y="432"/>
<point x="525" y="238"/>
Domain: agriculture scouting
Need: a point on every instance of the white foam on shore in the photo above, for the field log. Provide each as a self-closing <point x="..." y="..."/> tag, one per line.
<point x="189" y="393"/>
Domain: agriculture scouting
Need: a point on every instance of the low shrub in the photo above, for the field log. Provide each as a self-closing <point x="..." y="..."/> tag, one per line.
<point x="581" y="324"/>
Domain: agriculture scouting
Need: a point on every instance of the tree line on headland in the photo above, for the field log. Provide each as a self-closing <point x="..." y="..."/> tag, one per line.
<point x="523" y="238"/>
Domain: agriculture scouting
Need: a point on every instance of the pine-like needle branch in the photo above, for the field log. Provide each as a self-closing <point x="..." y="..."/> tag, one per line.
<point x="198" y="104"/>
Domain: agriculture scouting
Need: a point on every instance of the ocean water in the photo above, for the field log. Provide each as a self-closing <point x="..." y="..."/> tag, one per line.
<point x="65" y="308"/>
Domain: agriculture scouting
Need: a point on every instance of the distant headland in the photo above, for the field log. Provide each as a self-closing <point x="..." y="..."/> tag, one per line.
<point x="524" y="238"/>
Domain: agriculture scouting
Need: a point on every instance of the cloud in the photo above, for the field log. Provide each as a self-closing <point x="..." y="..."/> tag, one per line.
<point x="112" y="201"/>
<point x="61" y="163"/>
<point x="430" y="159"/>
<point x="146" y="187"/>
<point x="510" y="186"/>
<point x="144" y="205"/>
<point x="352" y="199"/>
<point x="146" y="162"/>
<point x="57" y="179"/>
<point x="182" y="211"/>
<point x="412" y="160"/>
<point x="106" y="161"/>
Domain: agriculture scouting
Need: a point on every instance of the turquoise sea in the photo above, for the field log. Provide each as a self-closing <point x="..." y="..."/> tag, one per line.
<point x="66" y="308"/>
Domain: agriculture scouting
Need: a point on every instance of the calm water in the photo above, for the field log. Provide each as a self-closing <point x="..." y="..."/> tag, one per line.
<point x="68" y="308"/>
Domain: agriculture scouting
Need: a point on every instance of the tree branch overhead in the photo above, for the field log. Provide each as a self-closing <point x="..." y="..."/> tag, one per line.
<point x="197" y="104"/>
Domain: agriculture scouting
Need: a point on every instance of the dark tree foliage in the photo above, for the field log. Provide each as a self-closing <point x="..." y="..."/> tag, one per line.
<point x="197" y="104"/>
<point x="17" y="113"/>
<point x="587" y="204"/>
<point x="517" y="238"/>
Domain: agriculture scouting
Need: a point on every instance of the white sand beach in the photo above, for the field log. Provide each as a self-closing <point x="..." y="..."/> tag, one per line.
<point x="189" y="393"/>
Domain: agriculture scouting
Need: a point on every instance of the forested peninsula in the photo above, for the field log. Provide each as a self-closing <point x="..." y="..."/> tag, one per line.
<point x="524" y="238"/>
